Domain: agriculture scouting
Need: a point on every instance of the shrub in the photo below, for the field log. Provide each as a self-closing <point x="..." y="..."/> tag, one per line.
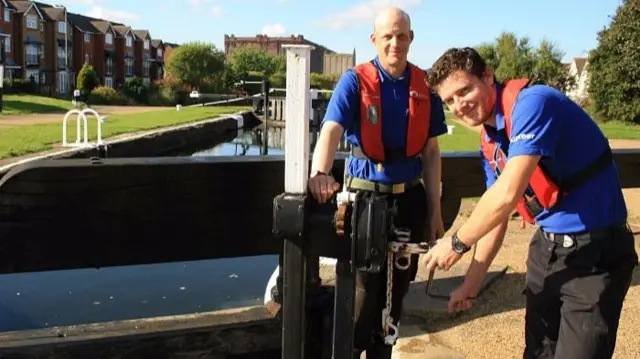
<point x="102" y="95"/>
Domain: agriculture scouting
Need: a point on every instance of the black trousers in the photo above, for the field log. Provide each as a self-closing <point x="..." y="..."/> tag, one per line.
<point x="575" y="291"/>
<point x="371" y="288"/>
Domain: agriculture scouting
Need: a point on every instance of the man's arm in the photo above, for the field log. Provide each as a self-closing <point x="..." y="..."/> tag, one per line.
<point x="485" y="252"/>
<point x="432" y="165"/>
<point x="339" y="116"/>
<point x="534" y="134"/>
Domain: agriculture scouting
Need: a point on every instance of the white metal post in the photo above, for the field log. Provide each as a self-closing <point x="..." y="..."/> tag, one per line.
<point x="298" y="101"/>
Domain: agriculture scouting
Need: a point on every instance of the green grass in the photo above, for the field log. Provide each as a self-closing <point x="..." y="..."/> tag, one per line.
<point x="615" y="130"/>
<point x="620" y="130"/>
<point x="22" y="140"/>
<point x="31" y="104"/>
<point x="463" y="139"/>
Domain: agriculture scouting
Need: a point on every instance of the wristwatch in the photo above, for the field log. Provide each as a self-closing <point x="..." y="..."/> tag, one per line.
<point x="317" y="173"/>
<point x="457" y="245"/>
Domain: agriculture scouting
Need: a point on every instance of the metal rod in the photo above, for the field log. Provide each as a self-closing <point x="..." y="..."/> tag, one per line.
<point x="293" y="301"/>
<point x="265" y="135"/>
<point x="343" y="316"/>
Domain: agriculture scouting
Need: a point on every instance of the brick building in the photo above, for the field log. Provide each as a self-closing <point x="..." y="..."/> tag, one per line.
<point x="273" y="46"/>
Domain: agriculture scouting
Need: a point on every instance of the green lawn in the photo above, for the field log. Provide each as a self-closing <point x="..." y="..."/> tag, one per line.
<point x="462" y="139"/>
<point x="29" y="104"/>
<point x="22" y="140"/>
<point x="620" y="131"/>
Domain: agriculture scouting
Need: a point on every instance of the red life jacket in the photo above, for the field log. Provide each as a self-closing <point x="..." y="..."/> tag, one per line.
<point x="543" y="191"/>
<point x="419" y="116"/>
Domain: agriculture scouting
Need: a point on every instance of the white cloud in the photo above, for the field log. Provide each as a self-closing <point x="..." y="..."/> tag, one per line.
<point x="274" y="30"/>
<point x="363" y="13"/>
<point x="198" y="3"/>
<point x="115" y="15"/>
<point x="217" y="12"/>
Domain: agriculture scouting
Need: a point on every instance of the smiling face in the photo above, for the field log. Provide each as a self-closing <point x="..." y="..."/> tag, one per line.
<point x="392" y="37"/>
<point x="465" y="84"/>
<point x="470" y="98"/>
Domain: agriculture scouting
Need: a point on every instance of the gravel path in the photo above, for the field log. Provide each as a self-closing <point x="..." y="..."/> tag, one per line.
<point x="493" y="328"/>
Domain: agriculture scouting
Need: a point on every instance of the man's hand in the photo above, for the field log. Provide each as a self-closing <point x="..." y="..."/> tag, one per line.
<point x="461" y="298"/>
<point x="322" y="187"/>
<point x="441" y="256"/>
<point x="437" y="228"/>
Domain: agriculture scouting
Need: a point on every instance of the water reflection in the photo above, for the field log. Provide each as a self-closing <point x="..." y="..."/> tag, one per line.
<point x="252" y="143"/>
<point x="49" y="299"/>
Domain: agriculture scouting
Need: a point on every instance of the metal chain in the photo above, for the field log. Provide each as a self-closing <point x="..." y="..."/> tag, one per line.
<point x="397" y="249"/>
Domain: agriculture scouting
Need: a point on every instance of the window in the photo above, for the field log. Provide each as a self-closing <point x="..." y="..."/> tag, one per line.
<point x="159" y="52"/>
<point x="129" y="41"/>
<point x="32" y="55"/>
<point x="108" y="65"/>
<point x="32" y="22"/>
<point x="63" y="82"/>
<point x="87" y="38"/>
<point x="62" y="27"/>
<point x="7" y="15"/>
<point x="146" y="44"/>
<point x="87" y="59"/>
<point x="146" y="68"/>
<point x="32" y="73"/>
<point x="62" y="64"/>
<point x="7" y="44"/>
<point x="108" y="38"/>
<point x="128" y="66"/>
<point x="108" y="82"/>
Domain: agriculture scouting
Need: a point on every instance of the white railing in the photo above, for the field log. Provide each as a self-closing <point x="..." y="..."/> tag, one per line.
<point x="81" y="119"/>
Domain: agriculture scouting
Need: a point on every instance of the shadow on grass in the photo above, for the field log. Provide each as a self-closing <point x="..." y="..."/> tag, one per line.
<point x="23" y="107"/>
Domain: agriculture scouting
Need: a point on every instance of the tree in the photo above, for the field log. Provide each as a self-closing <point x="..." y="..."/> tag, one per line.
<point x="548" y="68"/>
<point x="251" y="59"/>
<point x="87" y="80"/>
<point x="512" y="57"/>
<point x="195" y="63"/>
<point x="614" y="66"/>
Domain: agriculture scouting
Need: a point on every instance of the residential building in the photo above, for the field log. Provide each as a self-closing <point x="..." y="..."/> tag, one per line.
<point x="157" y="58"/>
<point x="579" y="70"/>
<point x="6" y="38"/>
<point x="49" y="45"/>
<point x="143" y="55"/>
<point x="273" y="46"/>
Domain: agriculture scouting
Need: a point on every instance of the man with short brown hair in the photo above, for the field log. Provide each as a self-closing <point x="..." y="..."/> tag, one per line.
<point x="546" y="158"/>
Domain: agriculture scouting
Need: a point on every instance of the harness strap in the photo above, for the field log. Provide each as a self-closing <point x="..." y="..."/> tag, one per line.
<point x="584" y="175"/>
<point x="365" y="185"/>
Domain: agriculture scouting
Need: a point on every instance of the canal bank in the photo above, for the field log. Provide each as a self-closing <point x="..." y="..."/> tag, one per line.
<point x="180" y="140"/>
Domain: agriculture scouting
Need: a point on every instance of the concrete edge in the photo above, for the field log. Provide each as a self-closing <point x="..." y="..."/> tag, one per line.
<point x="237" y="116"/>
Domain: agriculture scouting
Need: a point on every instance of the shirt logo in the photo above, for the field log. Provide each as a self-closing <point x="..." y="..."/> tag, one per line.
<point x="522" y="136"/>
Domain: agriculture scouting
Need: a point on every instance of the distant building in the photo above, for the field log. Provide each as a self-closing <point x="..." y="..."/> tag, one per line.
<point x="323" y="60"/>
<point x="579" y="70"/>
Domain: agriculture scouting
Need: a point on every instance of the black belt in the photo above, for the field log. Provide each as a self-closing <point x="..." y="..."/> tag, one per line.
<point x="568" y="239"/>
<point x="366" y="185"/>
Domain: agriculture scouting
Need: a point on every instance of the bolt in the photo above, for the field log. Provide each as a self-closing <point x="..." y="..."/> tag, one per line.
<point x="374" y="251"/>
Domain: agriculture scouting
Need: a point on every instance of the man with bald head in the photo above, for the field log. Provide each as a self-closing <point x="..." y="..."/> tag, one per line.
<point x="391" y="118"/>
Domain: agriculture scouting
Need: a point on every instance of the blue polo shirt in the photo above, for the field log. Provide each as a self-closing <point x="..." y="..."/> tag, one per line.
<point x="344" y="108"/>
<point x="545" y="122"/>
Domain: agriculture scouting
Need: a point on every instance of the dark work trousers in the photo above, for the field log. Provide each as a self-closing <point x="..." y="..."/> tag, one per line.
<point x="574" y="292"/>
<point x="371" y="288"/>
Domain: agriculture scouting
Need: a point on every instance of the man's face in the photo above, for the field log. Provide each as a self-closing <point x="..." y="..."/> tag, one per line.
<point x="470" y="98"/>
<point x="392" y="38"/>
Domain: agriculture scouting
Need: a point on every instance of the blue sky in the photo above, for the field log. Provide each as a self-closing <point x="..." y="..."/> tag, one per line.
<point x="345" y="25"/>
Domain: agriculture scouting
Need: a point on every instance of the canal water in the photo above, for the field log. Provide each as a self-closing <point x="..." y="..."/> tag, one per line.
<point x="49" y="299"/>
